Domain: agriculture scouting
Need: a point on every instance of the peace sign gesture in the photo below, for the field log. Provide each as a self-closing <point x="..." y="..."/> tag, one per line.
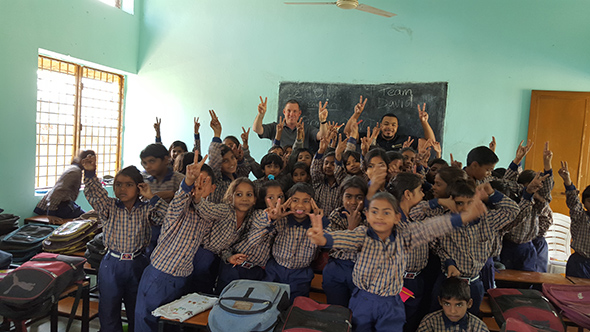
<point x="547" y="157"/>
<point x="157" y="126"/>
<point x="245" y="136"/>
<point x="565" y="174"/>
<point x="354" y="217"/>
<point x="316" y="232"/>
<point x="197" y="125"/>
<point x="262" y="106"/>
<point x="323" y="111"/>
<point x="215" y="124"/>
<point x="536" y="183"/>
<point x="422" y="113"/>
<point x="193" y="170"/>
<point x="360" y="107"/>
<point x="279" y="211"/>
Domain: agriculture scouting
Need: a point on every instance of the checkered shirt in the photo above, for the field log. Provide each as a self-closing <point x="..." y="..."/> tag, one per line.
<point x="223" y="181"/>
<point x="258" y="251"/>
<point x="224" y="230"/>
<point x="417" y="257"/>
<point x="381" y="264"/>
<point x="470" y="246"/>
<point x="438" y="322"/>
<point x="124" y="231"/>
<point x="580" y="226"/>
<point x="66" y="188"/>
<point x="170" y="182"/>
<point x="525" y="226"/>
<point x="327" y="196"/>
<point x="181" y="236"/>
<point x="339" y="222"/>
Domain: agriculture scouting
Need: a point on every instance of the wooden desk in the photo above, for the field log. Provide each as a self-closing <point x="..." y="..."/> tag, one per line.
<point x="85" y="299"/>
<point x="531" y="277"/>
<point x="579" y="281"/>
<point x="199" y="320"/>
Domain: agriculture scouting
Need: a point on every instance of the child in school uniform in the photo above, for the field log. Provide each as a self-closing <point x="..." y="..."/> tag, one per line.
<point x="323" y="180"/>
<point x="164" y="280"/>
<point x="300" y="173"/>
<point x="381" y="258"/>
<point x="376" y="163"/>
<point x="126" y="222"/>
<point x="272" y="165"/>
<point x="337" y="274"/>
<point x="465" y="251"/>
<point x="455" y="300"/>
<point x="578" y="264"/>
<point x="292" y="251"/>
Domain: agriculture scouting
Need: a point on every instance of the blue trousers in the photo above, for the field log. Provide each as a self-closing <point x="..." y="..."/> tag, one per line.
<point x="118" y="281"/>
<point x="65" y="209"/>
<point x="542" y="249"/>
<point x="229" y="273"/>
<point x="337" y="281"/>
<point x="477" y="292"/>
<point x="414" y="306"/>
<point x="372" y="312"/>
<point x="155" y="289"/>
<point x="578" y="266"/>
<point x="521" y="256"/>
<point x="154" y="240"/>
<point x="299" y="280"/>
<point x="205" y="270"/>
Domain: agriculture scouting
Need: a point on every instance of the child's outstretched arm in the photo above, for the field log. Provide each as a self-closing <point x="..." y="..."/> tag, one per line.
<point x="504" y="211"/>
<point x="428" y="132"/>
<point x="572" y="200"/>
<point x="96" y="195"/>
<point x="316" y="232"/>
<point x="157" y="129"/>
<point x="159" y="206"/>
<point x="215" y="157"/>
<point x="257" y="125"/>
<point x="548" y="181"/>
<point x="197" y="143"/>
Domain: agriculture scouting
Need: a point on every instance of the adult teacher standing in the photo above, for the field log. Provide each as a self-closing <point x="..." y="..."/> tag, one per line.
<point x="292" y="113"/>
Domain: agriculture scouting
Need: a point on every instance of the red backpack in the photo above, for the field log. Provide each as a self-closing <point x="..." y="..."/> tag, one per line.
<point x="306" y="315"/>
<point x="573" y="300"/>
<point x="31" y="290"/>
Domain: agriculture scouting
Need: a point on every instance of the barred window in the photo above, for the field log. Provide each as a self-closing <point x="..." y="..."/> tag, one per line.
<point x="78" y="108"/>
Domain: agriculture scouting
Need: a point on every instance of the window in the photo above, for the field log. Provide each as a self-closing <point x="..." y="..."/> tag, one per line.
<point x="114" y="3"/>
<point x="78" y="108"/>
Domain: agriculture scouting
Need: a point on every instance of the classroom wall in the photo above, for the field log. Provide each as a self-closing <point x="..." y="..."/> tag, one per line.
<point x="222" y="54"/>
<point x="83" y="29"/>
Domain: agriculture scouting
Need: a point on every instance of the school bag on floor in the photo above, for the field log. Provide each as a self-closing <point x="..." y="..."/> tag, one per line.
<point x="249" y="305"/>
<point x="572" y="300"/>
<point x="31" y="290"/>
<point x="307" y="315"/>
<point x="71" y="237"/>
<point x="26" y="241"/>
<point x="8" y="223"/>
<point x="526" y="305"/>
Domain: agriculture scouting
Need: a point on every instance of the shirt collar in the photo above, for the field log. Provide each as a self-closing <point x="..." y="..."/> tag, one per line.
<point x="138" y="202"/>
<point x="371" y="233"/>
<point x="463" y="322"/>
<point x="167" y="177"/>
<point x="291" y="222"/>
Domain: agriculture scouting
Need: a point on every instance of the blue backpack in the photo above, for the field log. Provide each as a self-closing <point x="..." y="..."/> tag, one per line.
<point x="250" y="304"/>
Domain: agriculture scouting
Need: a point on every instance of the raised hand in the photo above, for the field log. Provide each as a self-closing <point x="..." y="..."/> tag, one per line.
<point x="279" y="210"/>
<point x="366" y="142"/>
<point x="245" y="135"/>
<point x="193" y="170"/>
<point x="448" y="203"/>
<point x="300" y="129"/>
<point x="456" y="163"/>
<point x="354" y="217"/>
<point x="316" y="232"/>
<point x="323" y="112"/>
<point x="89" y="163"/>
<point x="375" y="134"/>
<point x="340" y="147"/>
<point x="408" y="143"/>
<point x="492" y="144"/>
<point x="215" y="124"/>
<point x="157" y="126"/>
<point x="280" y="125"/>
<point x="474" y="211"/>
<point x="522" y="151"/>
<point x="437" y="148"/>
<point x="197" y="125"/>
<point x="323" y="145"/>
<point x="547" y="157"/>
<point x="536" y="183"/>
<point x="422" y="113"/>
<point x="262" y="106"/>
<point x="145" y="190"/>
<point x="315" y="208"/>
<point x="565" y="174"/>
<point x="360" y="107"/>
<point x="237" y="259"/>
<point x="484" y="191"/>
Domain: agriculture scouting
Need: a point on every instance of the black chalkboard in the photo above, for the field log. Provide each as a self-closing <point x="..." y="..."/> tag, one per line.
<point x="398" y="98"/>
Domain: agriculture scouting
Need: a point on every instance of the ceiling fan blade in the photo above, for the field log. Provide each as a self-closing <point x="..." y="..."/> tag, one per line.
<point x="374" y="10"/>
<point x="309" y="3"/>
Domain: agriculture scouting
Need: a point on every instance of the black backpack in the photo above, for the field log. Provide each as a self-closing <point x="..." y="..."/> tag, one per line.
<point x="26" y="241"/>
<point x="95" y="251"/>
<point x="8" y="223"/>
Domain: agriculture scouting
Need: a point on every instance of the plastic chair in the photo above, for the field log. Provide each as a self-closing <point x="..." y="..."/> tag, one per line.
<point x="558" y="239"/>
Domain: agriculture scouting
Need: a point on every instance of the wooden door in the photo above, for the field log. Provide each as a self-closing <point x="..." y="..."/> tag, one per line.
<point x="562" y="118"/>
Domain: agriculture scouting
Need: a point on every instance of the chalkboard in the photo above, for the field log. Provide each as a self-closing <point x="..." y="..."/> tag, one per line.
<point x="400" y="99"/>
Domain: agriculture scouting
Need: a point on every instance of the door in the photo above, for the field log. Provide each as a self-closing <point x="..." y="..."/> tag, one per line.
<point x="561" y="117"/>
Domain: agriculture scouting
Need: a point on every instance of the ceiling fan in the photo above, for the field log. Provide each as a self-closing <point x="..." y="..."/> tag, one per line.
<point x="348" y="4"/>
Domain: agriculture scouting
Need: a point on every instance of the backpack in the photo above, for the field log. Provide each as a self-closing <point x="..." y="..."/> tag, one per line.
<point x="526" y="305"/>
<point x="572" y="300"/>
<point x="250" y="304"/>
<point x="71" y="237"/>
<point x="26" y="241"/>
<point x="95" y="251"/>
<point x="516" y="325"/>
<point x="31" y="290"/>
<point x="5" y="260"/>
<point x="307" y="315"/>
<point x="8" y="223"/>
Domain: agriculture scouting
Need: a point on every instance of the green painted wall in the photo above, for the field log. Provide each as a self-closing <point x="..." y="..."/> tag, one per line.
<point x="222" y="54"/>
<point x="84" y="29"/>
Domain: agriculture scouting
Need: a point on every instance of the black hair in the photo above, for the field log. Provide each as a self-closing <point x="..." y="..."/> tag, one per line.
<point x="383" y="195"/>
<point x="262" y="190"/>
<point x="178" y="144"/>
<point x="207" y="169"/>
<point x="186" y="158"/>
<point x="224" y="149"/>
<point x="500" y="186"/>
<point x="300" y="165"/>
<point x="233" y="186"/>
<point x="483" y="155"/>
<point x="233" y="139"/>
<point x="348" y="154"/>
<point x="390" y="115"/>
<point x="408" y="149"/>
<point x="271" y="158"/>
<point x="154" y="150"/>
<point x="301" y="187"/>
<point x="455" y="288"/>
<point x="461" y="188"/>
<point x="293" y="101"/>
<point x="378" y="152"/>
<point x="275" y="147"/>
<point x="451" y="174"/>
<point x="293" y="159"/>
<point x="526" y="176"/>
<point x="394" y="155"/>
<point x="77" y="160"/>
<point x="403" y="182"/>
<point x="585" y="194"/>
<point x="354" y="182"/>
<point x="438" y="161"/>
<point x="132" y="172"/>
<point x="330" y="154"/>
